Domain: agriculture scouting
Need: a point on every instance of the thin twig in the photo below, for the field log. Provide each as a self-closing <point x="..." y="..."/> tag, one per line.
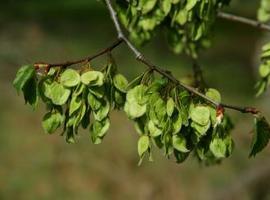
<point x="140" y="57"/>
<point x="244" y="20"/>
<point x="87" y="59"/>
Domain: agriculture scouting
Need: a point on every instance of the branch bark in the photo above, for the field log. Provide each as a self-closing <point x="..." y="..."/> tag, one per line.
<point x="87" y="59"/>
<point x="244" y="20"/>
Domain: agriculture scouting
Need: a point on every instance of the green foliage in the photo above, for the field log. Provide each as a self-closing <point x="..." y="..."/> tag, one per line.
<point x="264" y="70"/>
<point x="264" y="11"/>
<point x="25" y="81"/>
<point x="24" y="74"/>
<point x="187" y="22"/>
<point x="166" y="116"/>
<point x="261" y="135"/>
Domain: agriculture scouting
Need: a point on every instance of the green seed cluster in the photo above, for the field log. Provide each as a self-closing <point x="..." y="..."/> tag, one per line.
<point x="179" y="124"/>
<point x="72" y="97"/>
<point x="165" y="116"/>
<point x="187" y="22"/>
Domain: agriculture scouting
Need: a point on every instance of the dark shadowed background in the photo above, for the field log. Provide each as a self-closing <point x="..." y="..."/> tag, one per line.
<point x="34" y="165"/>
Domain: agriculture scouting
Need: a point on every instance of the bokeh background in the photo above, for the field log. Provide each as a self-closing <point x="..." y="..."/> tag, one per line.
<point x="34" y="165"/>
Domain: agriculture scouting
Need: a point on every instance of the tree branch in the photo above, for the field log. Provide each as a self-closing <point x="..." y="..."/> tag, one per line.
<point x="244" y="20"/>
<point x="87" y="59"/>
<point x="140" y="57"/>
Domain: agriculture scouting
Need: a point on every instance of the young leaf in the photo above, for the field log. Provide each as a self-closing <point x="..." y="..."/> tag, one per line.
<point x="94" y="102"/>
<point x="59" y="94"/>
<point x="261" y="135"/>
<point x="200" y="129"/>
<point x="176" y="123"/>
<point x="218" y="147"/>
<point x="200" y="115"/>
<point x="92" y="78"/>
<point x="134" y="110"/>
<point x="70" y="78"/>
<point x="120" y="82"/>
<point x="30" y="92"/>
<point x="180" y="143"/>
<point x="98" y="130"/>
<point x="170" y="107"/>
<point x="214" y="95"/>
<point x="51" y="121"/>
<point x="75" y="103"/>
<point x="143" y="144"/>
<point x="23" y="75"/>
<point x="103" y="111"/>
<point x="154" y="131"/>
<point x="137" y="95"/>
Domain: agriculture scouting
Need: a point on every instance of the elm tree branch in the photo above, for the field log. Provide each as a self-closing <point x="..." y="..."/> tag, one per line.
<point x="140" y="57"/>
<point x="244" y="20"/>
<point x="87" y="59"/>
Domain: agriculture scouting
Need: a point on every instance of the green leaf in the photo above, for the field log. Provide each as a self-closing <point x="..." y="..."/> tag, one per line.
<point x="75" y="104"/>
<point x="182" y="17"/>
<point x="94" y="102"/>
<point x="170" y="107"/>
<point x="261" y="135"/>
<point x="190" y="4"/>
<point x="153" y="129"/>
<point x="200" y="130"/>
<point x="52" y="121"/>
<point x="98" y="91"/>
<point x="265" y="69"/>
<point x="180" y="143"/>
<point x="79" y="89"/>
<point x="92" y="78"/>
<point x="45" y="86"/>
<point x="120" y="82"/>
<point x="176" y="123"/>
<point x="23" y="75"/>
<point x="30" y="92"/>
<point x="59" y="94"/>
<point x="137" y="95"/>
<point x="70" y="138"/>
<point x="79" y="115"/>
<point x="218" y="147"/>
<point x="214" y="95"/>
<point x="166" y="6"/>
<point x="143" y="145"/>
<point x="200" y="115"/>
<point x="70" y="78"/>
<point x="147" y="5"/>
<point x="103" y="111"/>
<point x="134" y="110"/>
<point x="98" y="130"/>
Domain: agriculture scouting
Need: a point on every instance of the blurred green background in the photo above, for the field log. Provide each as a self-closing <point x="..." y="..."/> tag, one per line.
<point x="34" y="165"/>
